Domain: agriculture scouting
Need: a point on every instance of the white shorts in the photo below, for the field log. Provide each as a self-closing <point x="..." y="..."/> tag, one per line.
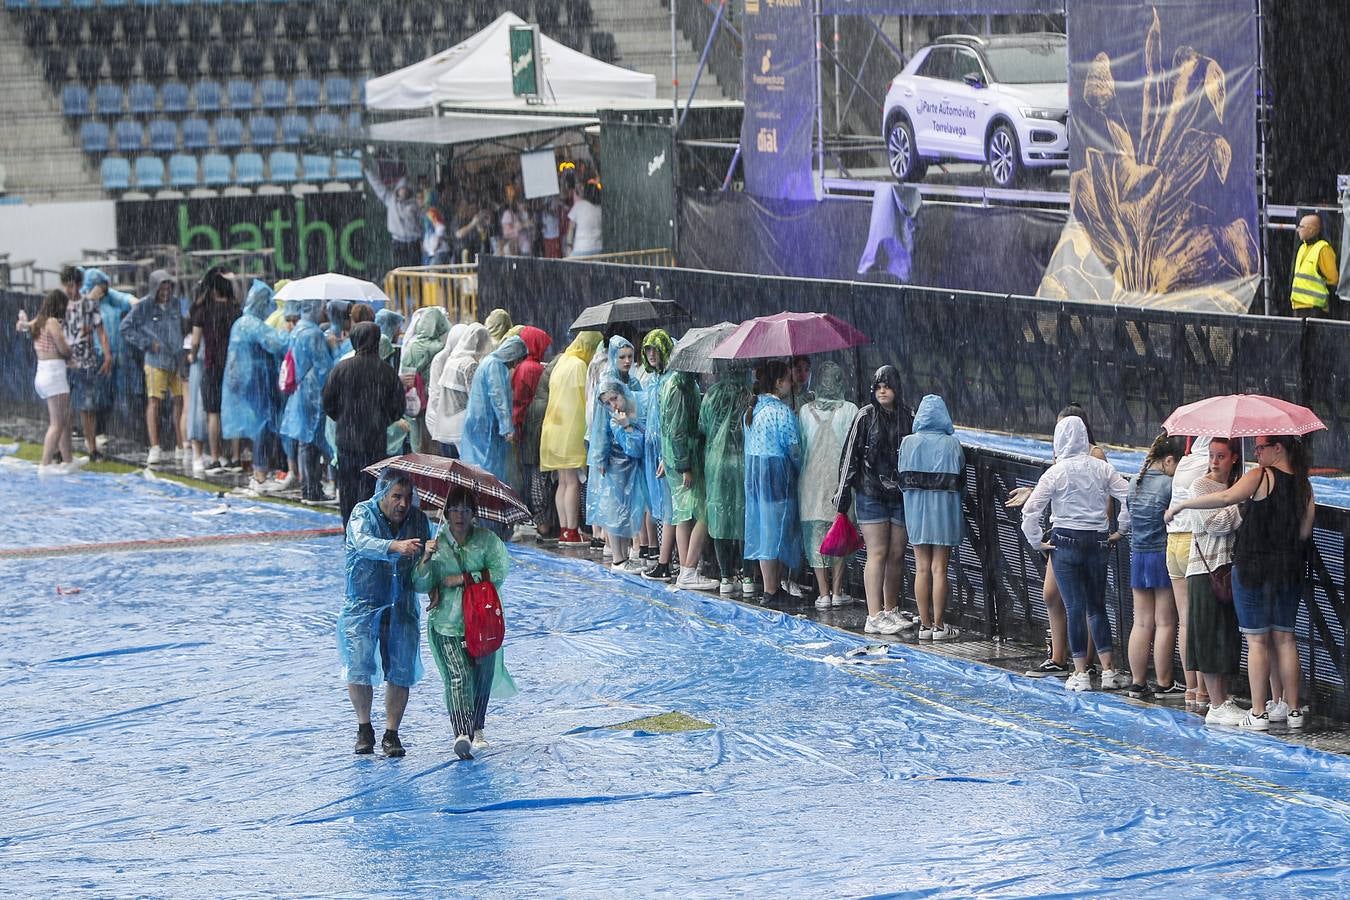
<point x="51" y="378"/>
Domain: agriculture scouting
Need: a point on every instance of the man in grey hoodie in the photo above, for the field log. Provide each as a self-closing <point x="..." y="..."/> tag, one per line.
<point x="155" y="327"/>
<point x="403" y="219"/>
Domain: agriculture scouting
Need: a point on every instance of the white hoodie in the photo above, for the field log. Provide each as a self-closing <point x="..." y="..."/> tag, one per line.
<point x="1076" y="487"/>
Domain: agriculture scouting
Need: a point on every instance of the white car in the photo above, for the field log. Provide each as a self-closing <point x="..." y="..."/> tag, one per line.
<point x="1002" y="101"/>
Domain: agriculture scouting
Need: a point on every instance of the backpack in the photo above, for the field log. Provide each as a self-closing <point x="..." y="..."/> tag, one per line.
<point x="484" y="625"/>
<point x="286" y="375"/>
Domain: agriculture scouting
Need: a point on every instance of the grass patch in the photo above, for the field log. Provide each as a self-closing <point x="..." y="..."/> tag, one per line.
<point x="665" y="723"/>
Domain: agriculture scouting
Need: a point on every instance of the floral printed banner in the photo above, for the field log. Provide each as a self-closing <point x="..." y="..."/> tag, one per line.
<point x="1162" y="114"/>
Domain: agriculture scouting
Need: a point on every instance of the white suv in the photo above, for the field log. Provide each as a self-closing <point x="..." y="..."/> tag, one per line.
<point x="1002" y="100"/>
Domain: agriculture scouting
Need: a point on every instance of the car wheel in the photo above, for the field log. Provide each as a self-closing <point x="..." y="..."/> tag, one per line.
<point x="901" y="152"/>
<point x="1004" y="157"/>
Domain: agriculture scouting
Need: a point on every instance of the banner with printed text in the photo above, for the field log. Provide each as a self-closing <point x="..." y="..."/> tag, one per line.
<point x="1163" y="195"/>
<point x="780" y="97"/>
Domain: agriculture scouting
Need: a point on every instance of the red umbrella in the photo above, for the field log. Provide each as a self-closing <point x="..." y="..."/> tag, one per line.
<point x="789" y="334"/>
<point x="432" y="476"/>
<point x="1242" y="415"/>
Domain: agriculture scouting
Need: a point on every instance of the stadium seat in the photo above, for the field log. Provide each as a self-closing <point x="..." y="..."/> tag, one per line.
<point x="89" y="63"/>
<point x="130" y="135"/>
<point x="196" y="134"/>
<point x="149" y="172"/>
<point x="252" y="57"/>
<point x="187" y="60"/>
<point x="381" y="56"/>
<point x="548" y="13"/>
<point x="358" y="18"/>
<point x="248" y="168"/>
<point x="240" y="93"/>
<point x="229" y="132"/>
<point x="327" y="125"/>
<point x="285" y="59"/>
<point x="348" y="55"/>
<point x="348" y="168"/>
<point x="264" y="21"/>
<point x="167" y="19"/>
<point x="94" y="137"/>
<point x="75" y="100"/>
<point x="604" y="47"/>
<point x="318" y="168"/>
<point x="173" y="97"/>
<point x="294" y="129"/>
<point x="115" y="172"/>
<point x="327" y="18"/>
<point x="318" y="55"/>
<point x="102" y="24"/>
<point x="183" y="170"/>
<point x="231" y="22"/>
<point x="262" y="131"/>
<point x="283" y="167"/>
<point x="154" y="62"/>
<point x="215" y="169"/>
<point x="295" y="21"/>
<point x="199" y="25"/>
<point x="121" y="63"/>
<point x="142" y="99"/>
<point x="275" y="94"/>
<point x="108" y="100"/>
<point x="135" y="22"/>
<point x="220" y="60"/>
<point x="421" y="16"/>
<point x="68" y="24"/>
<point x="337" y="92"/>
<point x="414" y="49"/>
<point x="306" y="93"/>
<point x="55" y="65"/>
<point x="206" y="97"/>
<point x="354" y="121"/>
<point x="391" y="16"/>
<point x="163" y="136"/>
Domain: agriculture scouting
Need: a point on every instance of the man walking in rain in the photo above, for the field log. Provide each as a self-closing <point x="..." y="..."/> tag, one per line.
<point x="378" y="629"/>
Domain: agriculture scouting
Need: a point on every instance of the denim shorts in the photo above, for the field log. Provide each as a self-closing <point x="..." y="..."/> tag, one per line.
<point x="872" y="511"/>
<point x="1148" y="570"/>
<point x="1262" y="609"/>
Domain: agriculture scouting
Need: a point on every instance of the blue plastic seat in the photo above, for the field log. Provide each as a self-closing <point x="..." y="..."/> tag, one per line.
<point x="275" y="94"/>
<point x="149" y="172"/>
<point x="306" y="93"/>
<point x="108" y="100"/>
<point x="116" y="173"/>
<point x="130" y="135"/>
<point x="317" y="167"/>
<point x="262" y="131"/>
<point x="75" y="100"/>
<point x="196" y="134"/>
<point x="216" y="169"/>
<point x="229" y="132"/>
<point x="94" y="137"/>
<point x="337" y="92"/>
<point x="183" y="170"/>
<point x="163" y="136"/>
<point x="248" y="168"/>
<point x="283" y="167"/>
<point x="327" y="125"/>
<point x="207" y="96"/>
<point x="294" y="129"/>
<point x="348" y="168"/>
<point x="354" y="122"/>
<point x="18" y="4"/>
<point x="142" y="99"/>
<point x="173" y="97"/>
<point x="240" y="93"/>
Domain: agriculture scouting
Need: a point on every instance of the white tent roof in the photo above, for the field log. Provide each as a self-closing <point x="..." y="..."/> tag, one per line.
<point x="479" y="70"/>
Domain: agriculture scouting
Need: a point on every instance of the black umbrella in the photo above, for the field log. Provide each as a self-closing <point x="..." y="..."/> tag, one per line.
<point x="627" y="309"/>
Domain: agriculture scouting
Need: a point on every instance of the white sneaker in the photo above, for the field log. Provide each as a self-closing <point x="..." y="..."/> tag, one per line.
<point x="77" y="463"/>
<point x="1277" y="710"/>
<point x="155" y="456"/>
<point x="198" y="466"/>
<point x="183" y="455"/>
<point x="287" y="484"/>
<point x="1113" y="680"/>
<point x="900" y="619"/>
<point x="881" y="624"/>
<point x="53" y="469"/>
<point x="1228" y="713"/>
<point x="729" y="588"/>
<point x="824" y="601"/>
<point x="100" y="442"/>
<point x="480" y="741"/>
<point x="1295" y="719"/>
<point x="690" y="580"/>
<point x="748" y="589"/>
<point x="463" y="747"/>
<point x="1253" y="722"/>
<point x="795" y="590"/>
<point x="946" y="633"/>
<point x="217" y="467"/>
<point x="1078" y="681"/>
<point x="840" y="600"/>
<point x="925" y="632"/>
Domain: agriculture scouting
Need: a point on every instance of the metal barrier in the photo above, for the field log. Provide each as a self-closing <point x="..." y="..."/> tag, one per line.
<point x="454" y="288"/>
<point x="660" y="256"/>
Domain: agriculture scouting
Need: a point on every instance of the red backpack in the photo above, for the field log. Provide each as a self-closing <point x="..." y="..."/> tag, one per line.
<point x="484" y="625"/>
<point x="286" y="375"/>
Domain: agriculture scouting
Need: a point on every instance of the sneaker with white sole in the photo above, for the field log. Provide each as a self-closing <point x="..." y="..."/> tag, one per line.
<point x="1295" y="719"/>
<point x="198" y="467"/>
<point x="1113" y="680"/>
<point x="749" y="590"/>
<point x="690" y="580"/>
<point x="925" y="632"/>
<point x="881" y="624"/>
<point x="1049" y="669"/>
<point x="155" y="456"/>
<point x="480" y="741"/>
<point x="1228" y="713"/>
<point x="840" y="600"/>
<point x="946" y="632"/>
<point x="77" y="464"/>
<point x="1253" y="722"/>
<point x="901" y="619"/>
<point x="464" y="747"/>
<point x="1078" y="681"/>
<point x="824" y="601"/>
<point x="728" y="588"/>
<point x="1277" y="710"/>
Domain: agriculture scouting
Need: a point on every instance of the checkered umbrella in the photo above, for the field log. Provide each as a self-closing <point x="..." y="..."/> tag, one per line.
<point x="432" y="476"/>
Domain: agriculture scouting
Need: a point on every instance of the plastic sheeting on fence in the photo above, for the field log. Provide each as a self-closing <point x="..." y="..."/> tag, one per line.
<point x="178" y="728"/>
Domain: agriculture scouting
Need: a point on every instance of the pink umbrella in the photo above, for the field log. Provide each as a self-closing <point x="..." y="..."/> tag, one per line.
<point x="789" y="334"/>
<point x="1242" y="415"/>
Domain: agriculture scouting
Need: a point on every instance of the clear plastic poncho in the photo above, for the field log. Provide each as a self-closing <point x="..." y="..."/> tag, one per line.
<point x="303" y="418"/>
<point x="127" y="375"/>
<point x="772" y="464"/>
<point x="438" y="387"/>
<point x="617" y="488"/>
<point x="250" y="404"/>
<point x="599" y="444"/>
<point x="562" y="440"/>
<point x="378" y="630"/>
<point x="649" y="416"/>
<point x="719" y="420"/>
<point x="487" y="420"/>
<point x="426" y="337"/>
<point x="825" y="424"/>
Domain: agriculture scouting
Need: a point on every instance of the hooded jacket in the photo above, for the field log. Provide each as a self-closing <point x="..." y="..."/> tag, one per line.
<point x="871" y="458"/>
<point x="525" y="377"/>
<point x="402" y="218"/>
<point x="931" y="458"/>
<point x="112" y="307"/>
<point x="363" y="397"/>
<point x="1076" y="487"/>
<point x="389" y="323"/>
<point x="156" y="329"/>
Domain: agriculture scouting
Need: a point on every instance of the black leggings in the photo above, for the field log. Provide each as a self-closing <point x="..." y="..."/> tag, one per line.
<point x="730" y="558"/>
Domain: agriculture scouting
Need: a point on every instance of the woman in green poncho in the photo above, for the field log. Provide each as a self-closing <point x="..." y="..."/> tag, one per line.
<point x="462" y="547"/>
<point x="719" y="420"/>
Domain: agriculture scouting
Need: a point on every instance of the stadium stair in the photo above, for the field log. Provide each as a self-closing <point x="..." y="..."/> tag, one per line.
<point x="641" y="30"/>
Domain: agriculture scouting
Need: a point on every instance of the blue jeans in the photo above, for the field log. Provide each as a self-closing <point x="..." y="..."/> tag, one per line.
<point x="1079" y="561"/>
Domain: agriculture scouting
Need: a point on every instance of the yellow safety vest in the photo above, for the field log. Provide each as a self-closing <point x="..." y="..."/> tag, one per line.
<point x="1310" y="289"/>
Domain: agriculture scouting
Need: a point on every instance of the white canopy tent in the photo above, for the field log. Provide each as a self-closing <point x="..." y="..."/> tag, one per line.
<point x="478" y="70"/>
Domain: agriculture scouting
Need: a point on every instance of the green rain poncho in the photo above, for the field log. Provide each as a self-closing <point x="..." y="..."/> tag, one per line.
<point x="682" y="445"/>
<point x="719" y="421"/>
<point x="499" y="325"/>
<point x="429" y="329"/>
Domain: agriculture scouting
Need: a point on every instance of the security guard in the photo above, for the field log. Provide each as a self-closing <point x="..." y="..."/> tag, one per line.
<point x="1315" y="272"/>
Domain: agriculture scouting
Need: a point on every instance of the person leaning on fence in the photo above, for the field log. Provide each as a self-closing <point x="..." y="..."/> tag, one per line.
<point x="1076" y="488"/>
<point x="460" y="554"/>
<point x="1315" y="273"/>
<point x="155" y="327"/>
<point x="932" y="472"/>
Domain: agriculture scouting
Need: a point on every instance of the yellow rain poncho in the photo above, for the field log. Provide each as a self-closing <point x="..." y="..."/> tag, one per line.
<point x="562" y="441"/>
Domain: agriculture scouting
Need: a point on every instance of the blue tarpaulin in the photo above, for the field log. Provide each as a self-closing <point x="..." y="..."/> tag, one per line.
<point x="178" y="728"/>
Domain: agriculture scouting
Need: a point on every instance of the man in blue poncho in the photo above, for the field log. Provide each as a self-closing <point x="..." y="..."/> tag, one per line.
<point x="250" y="405"/>
<point x="488" y="429"/>
<point x="378" y="629"/>
<point x="124" y="378"/>
<point x="302" y="421"/>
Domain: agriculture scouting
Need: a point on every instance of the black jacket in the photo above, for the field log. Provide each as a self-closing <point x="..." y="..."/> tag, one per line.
<point x="363" y="396"/>
<point x="871" y="459"/>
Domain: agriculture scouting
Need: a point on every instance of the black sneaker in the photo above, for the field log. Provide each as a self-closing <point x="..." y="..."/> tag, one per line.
<point x="1049" y="669"/>
<point x="1094" y="669"/>
<point x="1176" y="687"/>
<point x="390" y="745"/>
<point x="464" y="747"/>
<point x="365" y="738"/>
<point x="658" y="572"/>
<point x="648" y="553"/>
<point x="1138" y="691"/>
<point x="597" y="545"/>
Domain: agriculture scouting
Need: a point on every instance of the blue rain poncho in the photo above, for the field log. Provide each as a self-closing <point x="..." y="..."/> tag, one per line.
<point x="303" y="418"/>
<point x="339" y="312"/>
<point x="379" y="627"/>
<point x="390" y="324"/>
<point x="619" y="478"/>
<point x="250" y="404"/>
<point x="772" y="463"/>
<point x="487" y="420"/>
<point x="932" y="469"/>
<point x="598" y="436"/>
<point x="127" y="375"/>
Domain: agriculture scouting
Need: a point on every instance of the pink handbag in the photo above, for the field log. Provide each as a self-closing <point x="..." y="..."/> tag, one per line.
<point x="842" y="539"/>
